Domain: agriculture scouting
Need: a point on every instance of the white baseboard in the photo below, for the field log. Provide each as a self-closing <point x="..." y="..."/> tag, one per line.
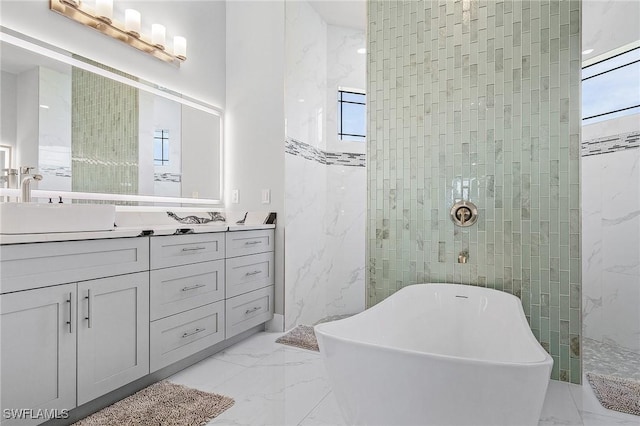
<point x="276" y="325"/>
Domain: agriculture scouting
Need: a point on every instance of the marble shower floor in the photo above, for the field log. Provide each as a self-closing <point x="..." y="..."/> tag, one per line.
<point x="274" y="384"/>
<point x="603" y="358"/>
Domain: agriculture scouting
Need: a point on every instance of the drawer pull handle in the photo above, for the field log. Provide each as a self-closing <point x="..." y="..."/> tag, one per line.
<point x="193" y="287"/>
<point x="193" y="248"/>
<point x="196" y="331"/>
<point x="70" y="313"/>
<point x="88" y="317"/>
<point x="250" y="243"/>
<point x="249" y="311"/>
<point x="248" y="274"/>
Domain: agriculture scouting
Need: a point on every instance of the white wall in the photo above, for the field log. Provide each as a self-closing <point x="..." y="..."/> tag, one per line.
<point x="8" y="109"/>
<point x="609" y="24"/>
<point x="254" y="116"/>
<point x="305" y="74"/>
<point x="54" y="118"/>
<point x="611" y="231"/>
<point x="345" y="68"/>
<point x="202" y="23"/>
<point x="200" y="154"/>
<point x="610" y="192"/>
<point x="325" y="205"/>
<point x="27" y="128"/>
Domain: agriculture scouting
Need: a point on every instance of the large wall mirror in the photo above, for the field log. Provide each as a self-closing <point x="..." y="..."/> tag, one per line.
<point x="93" y="132"/>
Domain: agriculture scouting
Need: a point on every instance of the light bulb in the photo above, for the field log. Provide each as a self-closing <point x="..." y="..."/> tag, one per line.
<point x="180" y="47"/>
<point x="104" y="10"/>
<point x="132" y="22"/>
<point x="158" y="35"/>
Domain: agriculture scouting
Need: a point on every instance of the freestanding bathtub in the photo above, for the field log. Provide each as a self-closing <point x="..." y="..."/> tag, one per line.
<point x="437" y="354"/>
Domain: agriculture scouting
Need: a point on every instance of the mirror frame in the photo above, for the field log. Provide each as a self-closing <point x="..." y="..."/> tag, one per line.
<point x="37" y="46"/>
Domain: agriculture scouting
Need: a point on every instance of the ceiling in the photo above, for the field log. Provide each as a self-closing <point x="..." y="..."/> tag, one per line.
<point x="342" y="13"/>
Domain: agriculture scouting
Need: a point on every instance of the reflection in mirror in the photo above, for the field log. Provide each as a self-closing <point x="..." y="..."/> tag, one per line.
<point x="89" y="129"/>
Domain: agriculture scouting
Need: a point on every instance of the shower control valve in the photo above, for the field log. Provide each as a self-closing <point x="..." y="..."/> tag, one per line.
<point x="464" y="213"/>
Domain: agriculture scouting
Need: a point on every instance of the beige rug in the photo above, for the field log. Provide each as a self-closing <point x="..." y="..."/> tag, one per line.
<point x="615" y="393"/>
<point x="163" y="403"/>
<point x="302" y="336"/>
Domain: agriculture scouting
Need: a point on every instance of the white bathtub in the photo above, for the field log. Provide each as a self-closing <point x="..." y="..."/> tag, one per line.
<point x="437" y="354"/>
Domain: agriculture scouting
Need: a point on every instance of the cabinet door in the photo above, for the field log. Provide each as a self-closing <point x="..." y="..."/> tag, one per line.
<point x="113" y="333"/>
<point x="38" y="353"/>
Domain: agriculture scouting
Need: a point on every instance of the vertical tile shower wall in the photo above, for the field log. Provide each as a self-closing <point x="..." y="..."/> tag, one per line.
<point x="479" y="100"/>
<point x="104" y="135"/>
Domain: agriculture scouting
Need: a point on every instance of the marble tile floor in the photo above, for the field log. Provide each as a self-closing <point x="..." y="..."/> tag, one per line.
<point x="604" y="358"/>
<point x="274" y="384"/>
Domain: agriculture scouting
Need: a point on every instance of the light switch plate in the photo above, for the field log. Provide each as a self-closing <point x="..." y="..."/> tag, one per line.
<point x="235" y="196"/>
<point x="266" y="196"/>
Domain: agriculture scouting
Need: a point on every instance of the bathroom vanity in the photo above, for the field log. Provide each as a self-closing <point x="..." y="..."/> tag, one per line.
<point x="81" y="319"/>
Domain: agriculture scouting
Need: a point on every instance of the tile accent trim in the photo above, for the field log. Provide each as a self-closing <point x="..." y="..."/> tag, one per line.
<point x="167" y="177"/>
<point x="302" y="149"/>
<point x="615" y="143"/>
<point x="60" y="171"/>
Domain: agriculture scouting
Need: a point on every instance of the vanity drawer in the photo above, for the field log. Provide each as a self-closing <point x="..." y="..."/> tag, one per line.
<point x="178" y="336"/>
<point x="248" y="273"/>
<point x="26" y="266"/>
<point x="181" y="288"/>
<point x="249" y="310"/>
<point x="241" y="243"/>
<point x="175" y="250"/>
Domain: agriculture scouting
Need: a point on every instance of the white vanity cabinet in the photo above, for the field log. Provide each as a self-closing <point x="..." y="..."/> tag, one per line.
<point x="55" y="343"/>
<point x="187" y="295"/>
<point x="250" y="279"/>
<point x="80" y="319"/>
<point x="38" y="363"/>
<point x="113" y="333"/>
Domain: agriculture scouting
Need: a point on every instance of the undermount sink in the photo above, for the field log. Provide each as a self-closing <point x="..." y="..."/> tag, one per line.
<point x="34" y="218"/>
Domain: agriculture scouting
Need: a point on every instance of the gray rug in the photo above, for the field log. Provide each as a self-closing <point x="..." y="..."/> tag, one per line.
<point x="302" y="336"/>
<point x="163" y="403"/>
<point x="615" y="393"/>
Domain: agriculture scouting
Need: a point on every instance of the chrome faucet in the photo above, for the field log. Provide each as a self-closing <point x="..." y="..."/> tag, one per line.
<point x="25" y="186"/>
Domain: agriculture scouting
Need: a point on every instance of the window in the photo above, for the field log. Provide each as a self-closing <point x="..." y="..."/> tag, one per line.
<point x="352" y="115"/>
<point x="611" y="87"/>
<point x="161" y="147"/>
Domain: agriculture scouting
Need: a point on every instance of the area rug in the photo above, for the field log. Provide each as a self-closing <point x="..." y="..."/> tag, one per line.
<point x="302" y="336"/>
<point x="615" y="393"/>
<point x="163" y="403"/>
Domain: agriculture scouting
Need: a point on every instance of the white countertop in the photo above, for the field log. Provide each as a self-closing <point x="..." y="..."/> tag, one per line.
<point x="129" y="231"/>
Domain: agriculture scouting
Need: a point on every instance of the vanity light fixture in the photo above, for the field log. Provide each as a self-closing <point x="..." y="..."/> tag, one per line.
<point x="101" y="19"/>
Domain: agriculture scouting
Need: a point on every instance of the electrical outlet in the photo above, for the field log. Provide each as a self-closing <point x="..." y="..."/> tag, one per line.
<point x="266" y="196"/>
<point x="235" y="196"/>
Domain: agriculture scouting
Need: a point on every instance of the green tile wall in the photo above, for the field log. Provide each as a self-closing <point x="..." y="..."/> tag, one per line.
<point x="104" y="141"/>
<point x="479" y="100"/>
